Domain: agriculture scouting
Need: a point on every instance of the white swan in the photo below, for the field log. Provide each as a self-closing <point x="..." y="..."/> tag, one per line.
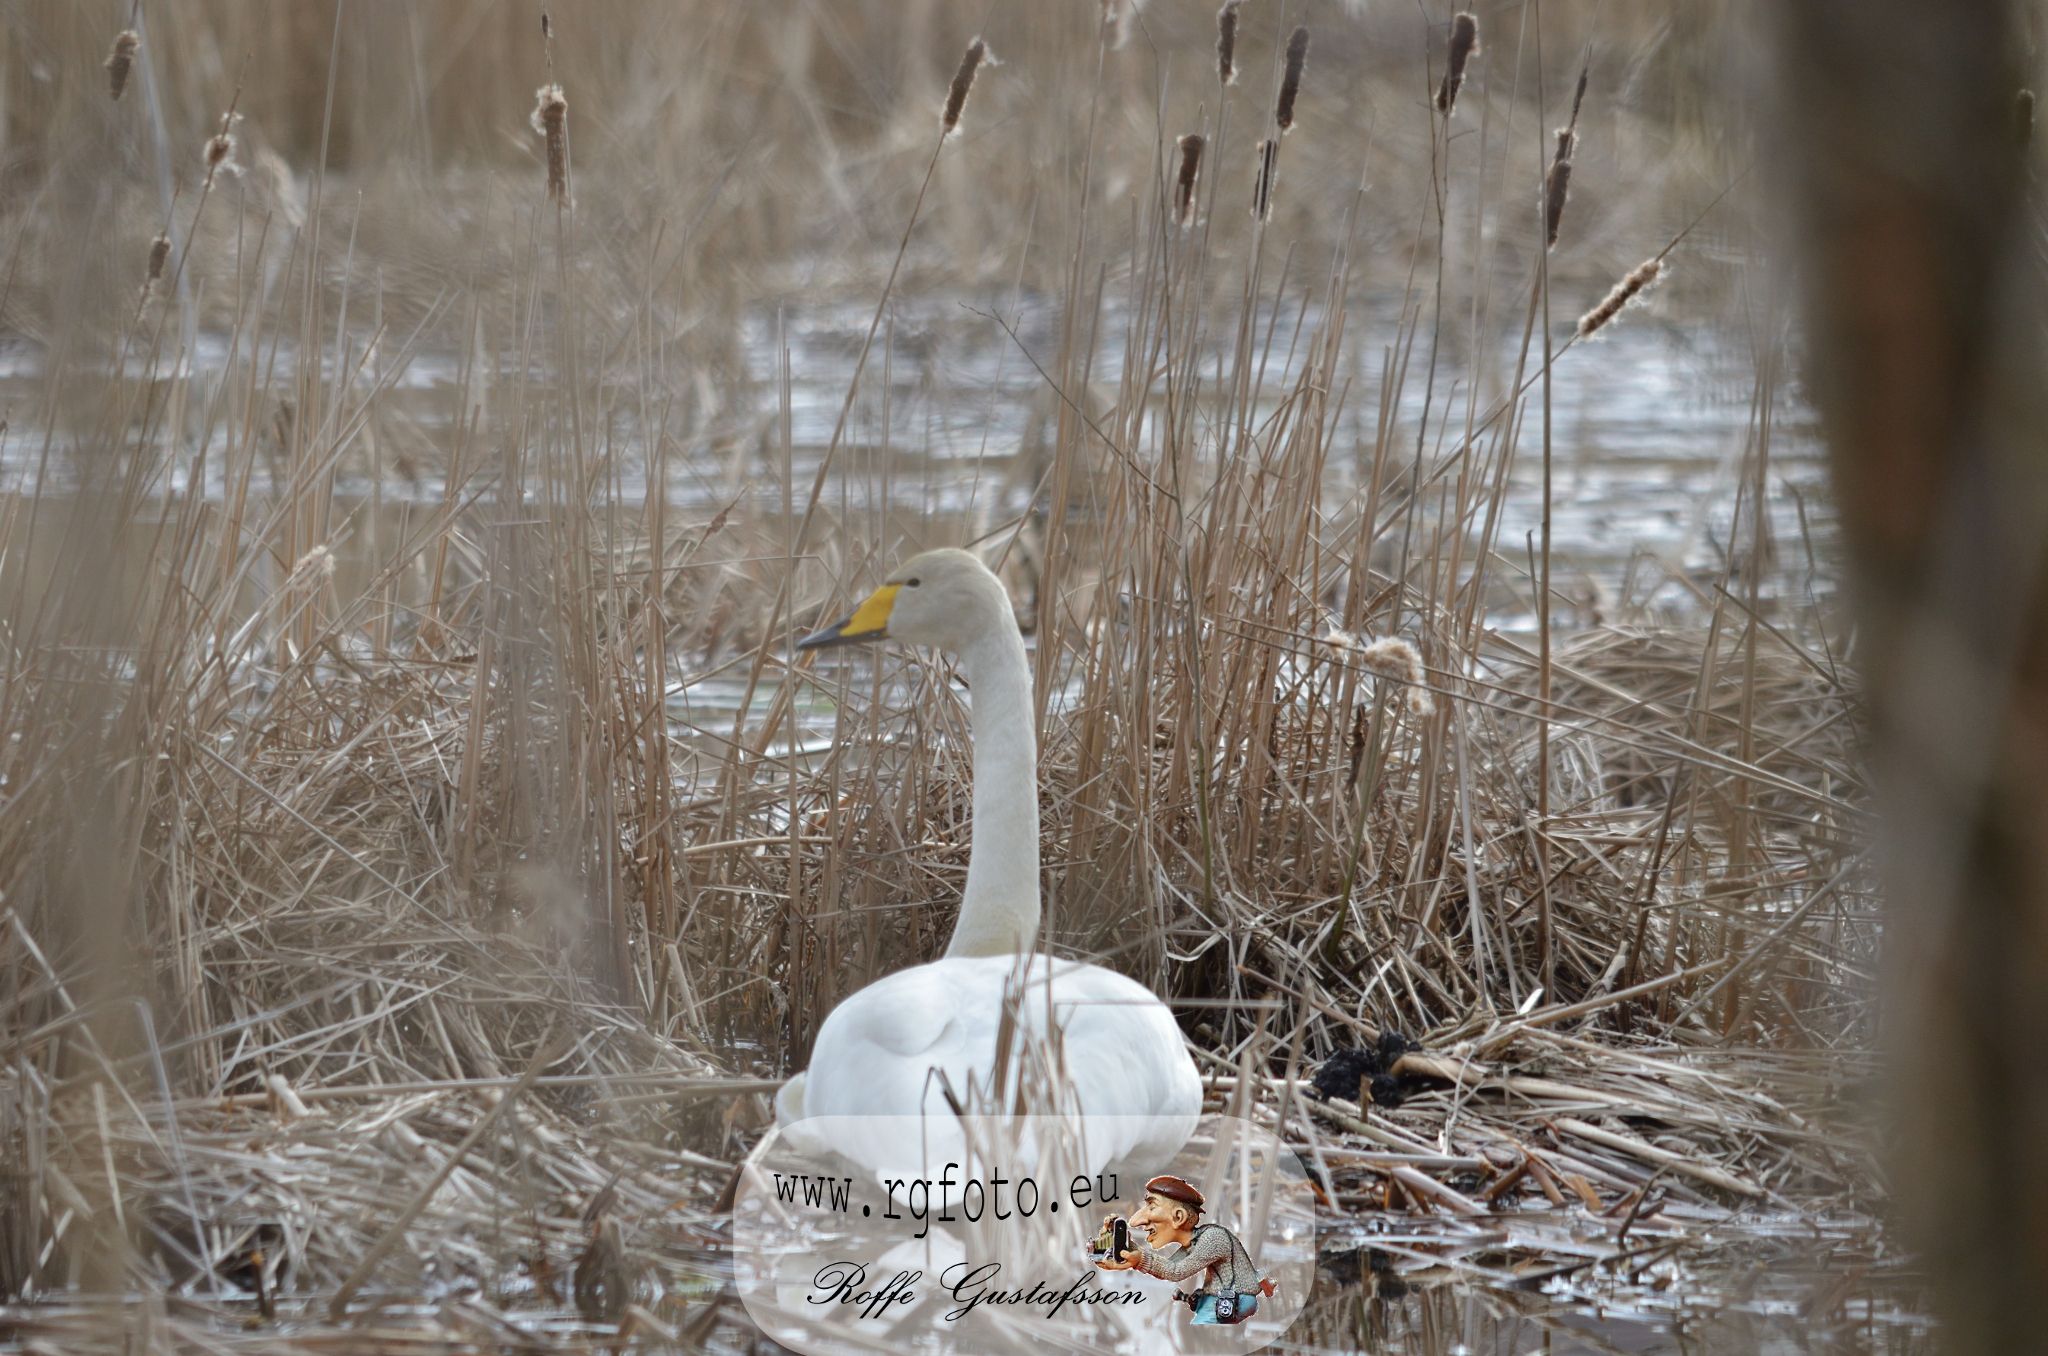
<point x="879" y="1053"/>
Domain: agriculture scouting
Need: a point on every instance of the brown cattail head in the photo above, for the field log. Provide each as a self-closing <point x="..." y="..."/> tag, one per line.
<point x="963" y="84"/>
<point x="550" y="119"/>
<point x="220" y="148"/>
<point x="1290" y="83"/>
<point x="121" y="61"/>
<point x="1190" y="171"/>
<point x="2022" y="116"/>
<point x="1639" y="280"/>
<point x="1557" y="185"/>
<point x="159" y="255"/>
<point x="1464" y="45"/>
<point x="1262" y="186"/>
<point x="1226" y="41"/>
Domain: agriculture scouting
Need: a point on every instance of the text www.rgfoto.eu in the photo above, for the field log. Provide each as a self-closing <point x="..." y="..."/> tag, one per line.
<point x="973" y="1198"/>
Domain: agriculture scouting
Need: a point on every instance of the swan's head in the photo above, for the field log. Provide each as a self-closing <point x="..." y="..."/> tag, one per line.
<point x="946" y="598"/>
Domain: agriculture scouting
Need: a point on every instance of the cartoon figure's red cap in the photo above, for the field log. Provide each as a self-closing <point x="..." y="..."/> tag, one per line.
<point x="1174" y="1189"/>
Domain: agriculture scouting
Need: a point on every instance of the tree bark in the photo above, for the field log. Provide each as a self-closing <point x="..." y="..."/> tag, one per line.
<point x="1908" y="177"/>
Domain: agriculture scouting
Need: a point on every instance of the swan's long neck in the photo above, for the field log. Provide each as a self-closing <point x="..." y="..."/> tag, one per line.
<point x="999" y="911"/>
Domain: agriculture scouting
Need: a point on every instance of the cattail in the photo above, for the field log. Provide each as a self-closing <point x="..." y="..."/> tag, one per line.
<point x="1557" y="185"/>
<point x="1399" y="660"/>
<point x="1290" y="83"/>
<point x="1262" y="187"/>
<point x="220" y="148"/>
<point x="1640" y="279"/>
<point x="551" y="120"/>
<point x="1392" y="658"/>
<point x="1464" y="43"/>
<point x="1226" y="41"/>
<point x="963" y="84"/>
<point x="2022" y="117"/>
<point x="1190" y="170"/>
<point x="159" y="255"/>
<point x="121" y="61"/>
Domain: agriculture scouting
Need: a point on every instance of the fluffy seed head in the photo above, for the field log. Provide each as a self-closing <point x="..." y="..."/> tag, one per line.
<point x="1226" y="41"/>
<point x="1639" y="280"/>
<point x="1290" y="84"/>
<point x="1464" y="46"/>
<point x="963" y="84"/>
<point x="1399" y="660"/>
<point x="1190" y="171"/>
<point x="121" y="61"/>
<point x="550" y="119"/>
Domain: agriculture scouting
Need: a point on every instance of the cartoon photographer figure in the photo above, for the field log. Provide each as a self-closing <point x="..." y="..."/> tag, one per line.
<point x="1230" y="1285"/>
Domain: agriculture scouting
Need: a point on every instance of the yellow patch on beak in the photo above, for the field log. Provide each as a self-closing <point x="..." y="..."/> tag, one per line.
<point x="870" y="621"/>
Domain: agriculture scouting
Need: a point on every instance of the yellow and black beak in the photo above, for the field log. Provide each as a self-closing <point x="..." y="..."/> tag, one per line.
<point x="870" y="621"/>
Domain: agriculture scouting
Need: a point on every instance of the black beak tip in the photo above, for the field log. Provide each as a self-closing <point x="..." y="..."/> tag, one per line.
<point x="818" y="640"/>
<point x="836" y="635"/>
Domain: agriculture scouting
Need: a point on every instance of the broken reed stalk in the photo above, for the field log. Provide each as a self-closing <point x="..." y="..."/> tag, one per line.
<point x="1262" y="183"/>
<point x="1226" y="42"/>
<point x="1639" y="280"/>
<point x="1464" y="45"/>
<point x="550" y="120"/>
<point x="1290" y="83"/>
<point x="121" y="62"/>
<point x="963" y="84"/>
<point x="1190" y="172"/>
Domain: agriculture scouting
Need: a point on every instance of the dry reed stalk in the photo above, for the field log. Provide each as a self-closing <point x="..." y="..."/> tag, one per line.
<point x="1226" y="41"/>
<point x="1464" y="46"/>
<point x="121" y="61"/>
<point x="1190" y="171"/>
<point x="963" y="85"/>
<point x="1290" y="82"/>
<point x="1268" y="169"/>
<point x="550" y="120"/>
<point x="1638" y="281"/>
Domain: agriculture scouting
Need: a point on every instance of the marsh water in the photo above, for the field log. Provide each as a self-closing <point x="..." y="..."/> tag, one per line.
<point x="1657" y="431"/>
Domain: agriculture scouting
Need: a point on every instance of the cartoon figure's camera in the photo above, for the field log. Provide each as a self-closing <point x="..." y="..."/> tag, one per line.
<point x="1114" y="1240"/>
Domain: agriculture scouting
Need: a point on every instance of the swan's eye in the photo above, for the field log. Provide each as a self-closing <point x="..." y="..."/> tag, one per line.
<point x="912" y="583"/>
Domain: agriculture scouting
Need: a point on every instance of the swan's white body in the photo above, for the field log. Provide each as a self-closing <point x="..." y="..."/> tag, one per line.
<point x="899" y="1045"/>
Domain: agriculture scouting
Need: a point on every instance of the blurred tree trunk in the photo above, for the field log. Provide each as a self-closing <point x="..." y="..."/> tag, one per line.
<point x="1908" y="176"/>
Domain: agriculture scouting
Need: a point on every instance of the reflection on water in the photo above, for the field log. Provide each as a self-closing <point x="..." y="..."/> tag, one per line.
<point x="1788" y="1284"/>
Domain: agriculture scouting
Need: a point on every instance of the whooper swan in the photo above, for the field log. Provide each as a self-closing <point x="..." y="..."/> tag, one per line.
<point x="881" y="1051"/>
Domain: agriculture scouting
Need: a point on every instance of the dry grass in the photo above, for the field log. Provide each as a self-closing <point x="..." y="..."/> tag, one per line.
<point x="380" y="918"/>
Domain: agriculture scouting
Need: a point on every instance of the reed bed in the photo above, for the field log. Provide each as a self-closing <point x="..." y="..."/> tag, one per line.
<point x="397" y="957"/>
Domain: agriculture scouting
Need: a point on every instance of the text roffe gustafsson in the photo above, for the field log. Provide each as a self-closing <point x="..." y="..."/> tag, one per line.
<point x="970" y="1284"/>
<point x="946" y="1199"/>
